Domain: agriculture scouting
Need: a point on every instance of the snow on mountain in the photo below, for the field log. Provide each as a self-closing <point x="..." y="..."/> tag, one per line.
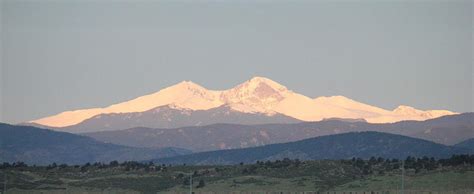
<point x="185" y="94"/>
<point x="257" y="95"/>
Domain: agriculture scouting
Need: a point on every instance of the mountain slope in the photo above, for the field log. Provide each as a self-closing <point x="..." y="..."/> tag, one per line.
<point x="466" y="144"/>
<point x="447" y="130"/>
<point x="341" y="146"/>
<point x="257" y="95"/>
<point x="42" y="146"/>
<point x="170" y="116"/>
<point x="185" y="94"/>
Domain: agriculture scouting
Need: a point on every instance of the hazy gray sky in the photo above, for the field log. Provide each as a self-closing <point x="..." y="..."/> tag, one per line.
<point x="64" y="55"/>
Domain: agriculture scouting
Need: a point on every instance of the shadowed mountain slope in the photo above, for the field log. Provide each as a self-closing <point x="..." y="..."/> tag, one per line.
<point x="171" y="117"/>
<point x="340" y="146"/>
<point x="466" y="144"/>
<point x="42" y="146"/>
<point x="447" y="130"/>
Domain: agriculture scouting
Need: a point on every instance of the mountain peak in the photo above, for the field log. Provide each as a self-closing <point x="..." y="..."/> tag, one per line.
<point x="258" y="94"/>
<point x="405" y="109"/>
<point x="188" y="85"/>
<point x="187" y="88"/>
<point x="337" y="98"/>
<point x="260" y="81"/>
<point x="408" y="110"/>
<point x="256" y="88"/>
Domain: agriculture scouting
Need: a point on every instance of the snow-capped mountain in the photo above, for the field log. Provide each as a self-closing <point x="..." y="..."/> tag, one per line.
<point x="258" y="95"/>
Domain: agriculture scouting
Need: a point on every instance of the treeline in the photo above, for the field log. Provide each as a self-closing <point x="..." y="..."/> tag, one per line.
<point x="127" y="166"/>
<point x="376" y="165"/>
<point x="366" y="165"/>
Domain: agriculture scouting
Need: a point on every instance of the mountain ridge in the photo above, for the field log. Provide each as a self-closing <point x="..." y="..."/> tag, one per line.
<point x="339" y="146"/>
<point x="257" y="95"/>
<point x="34" y="145"/>
<point x="469" y="143"/>
<point x="447" y="130"/>
<point x="170" y="116"/>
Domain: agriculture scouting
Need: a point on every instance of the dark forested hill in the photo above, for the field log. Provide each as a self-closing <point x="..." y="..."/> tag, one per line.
<point x="340" y="146"/>
<point x="466" y="144"/>
<point x="42" y="146"/>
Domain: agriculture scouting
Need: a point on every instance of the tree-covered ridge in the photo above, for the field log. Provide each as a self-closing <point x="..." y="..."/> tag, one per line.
<point x="340" y="146"/>
<point x="42" y="146"/>
<point x="466" y="144"/>
<point x="447" y="130"/>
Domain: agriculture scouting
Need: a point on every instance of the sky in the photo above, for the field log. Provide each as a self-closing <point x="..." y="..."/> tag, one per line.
<point x="66" y="55"/>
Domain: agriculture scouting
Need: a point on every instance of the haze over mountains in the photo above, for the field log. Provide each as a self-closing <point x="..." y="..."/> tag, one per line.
<point x="43" y="146"/>
<point x="340" y="146"/>
<point x="170" y="116"/>
<point x="447" y="130"/>
<point x="258" y="96"/>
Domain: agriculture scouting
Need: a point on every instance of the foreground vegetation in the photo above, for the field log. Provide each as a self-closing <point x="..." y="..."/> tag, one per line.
<point x="455" y="174"/>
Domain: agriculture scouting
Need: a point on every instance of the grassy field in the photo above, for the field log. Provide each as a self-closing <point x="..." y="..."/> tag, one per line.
<point x="316" y="176"/>
<point x="433" y="181"/>
<point x="441" y="182"/>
